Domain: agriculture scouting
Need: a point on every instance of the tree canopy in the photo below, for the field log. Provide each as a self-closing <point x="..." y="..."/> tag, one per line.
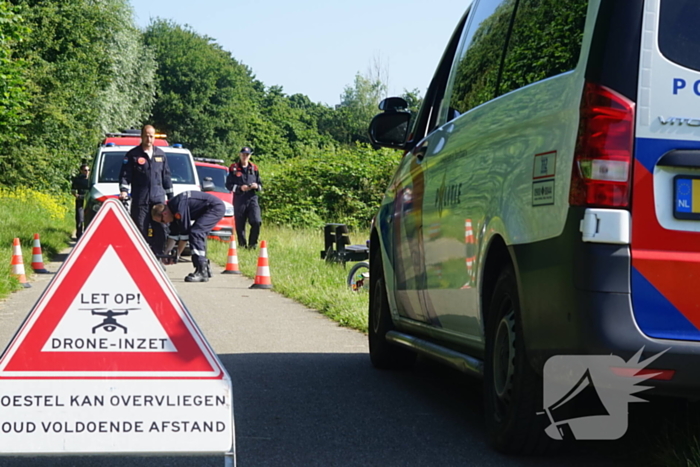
<point x="77" y="60"/>
<point x="205" y="98"/>
<point x="14" y="98"/>
<point x="75" y="69"/>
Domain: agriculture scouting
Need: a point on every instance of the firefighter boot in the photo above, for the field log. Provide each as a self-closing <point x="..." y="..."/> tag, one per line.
<point x="200" y="274"/>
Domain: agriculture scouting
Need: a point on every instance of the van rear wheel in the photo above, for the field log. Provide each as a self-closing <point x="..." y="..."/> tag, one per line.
<point x="512" y="389"/>
<point x="383" y="355"/>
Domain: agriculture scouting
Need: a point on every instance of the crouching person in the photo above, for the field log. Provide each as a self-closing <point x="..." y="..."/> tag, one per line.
<point x="174" y="237"/>
<point x="195" y="214"/>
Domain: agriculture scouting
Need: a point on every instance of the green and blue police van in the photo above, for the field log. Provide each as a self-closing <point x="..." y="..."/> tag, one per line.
<point x="548" y="202"/>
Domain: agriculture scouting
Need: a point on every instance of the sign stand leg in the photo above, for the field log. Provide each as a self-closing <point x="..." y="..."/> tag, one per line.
<point x="230" y="456"/>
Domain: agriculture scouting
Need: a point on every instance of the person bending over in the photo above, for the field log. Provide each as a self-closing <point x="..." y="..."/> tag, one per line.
<point x="195" y="214"/>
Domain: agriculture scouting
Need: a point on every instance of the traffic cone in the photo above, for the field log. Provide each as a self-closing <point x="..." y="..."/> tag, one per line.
<point x="262" y="277"/>
<point x="470" y="252"/>
<point x="37" y="257"/>
<point x="18" y="264"/>
<point x="232" y="261"/>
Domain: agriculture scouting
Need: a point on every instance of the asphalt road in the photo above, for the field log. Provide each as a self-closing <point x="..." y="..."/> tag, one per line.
<point x="305" y="393"/>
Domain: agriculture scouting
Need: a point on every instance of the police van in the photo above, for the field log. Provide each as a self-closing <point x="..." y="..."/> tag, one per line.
<point x="548" y="203"/>
<point x="108" y="161"/>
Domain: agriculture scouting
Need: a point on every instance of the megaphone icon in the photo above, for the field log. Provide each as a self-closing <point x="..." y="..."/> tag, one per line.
<point x="582" y="400"/>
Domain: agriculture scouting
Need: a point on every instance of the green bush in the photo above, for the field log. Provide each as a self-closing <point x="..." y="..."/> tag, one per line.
<point x="24" y="213"/>
<point x="331" y="185"/>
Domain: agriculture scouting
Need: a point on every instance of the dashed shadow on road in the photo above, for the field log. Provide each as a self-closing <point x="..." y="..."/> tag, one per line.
<point x="334" y="409"/>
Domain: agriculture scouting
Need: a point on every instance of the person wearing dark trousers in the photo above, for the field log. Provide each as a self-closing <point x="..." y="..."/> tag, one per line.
<point x="194" y="214"/>
<point x="79" y="188"/>
<point x="243" y="180"/>
<point x="146" y="171"/>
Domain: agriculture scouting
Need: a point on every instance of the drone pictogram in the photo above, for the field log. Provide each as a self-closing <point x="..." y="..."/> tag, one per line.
<point x="109" y="323"/>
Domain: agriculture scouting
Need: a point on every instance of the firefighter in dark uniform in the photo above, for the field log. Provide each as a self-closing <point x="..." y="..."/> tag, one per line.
<point x="79" y="188"/>
<point x="193" y="213"/>
<point x="146" y="170"/>
<point x="243" y="180"/>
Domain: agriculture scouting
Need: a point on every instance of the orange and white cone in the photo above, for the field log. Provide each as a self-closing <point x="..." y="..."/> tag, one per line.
<point x="470" y="252"/>
<point x="262" y="277"/>
<point x="37" y="257"/>
<point x="18" y="264"/>
<point x="232" y="261"/>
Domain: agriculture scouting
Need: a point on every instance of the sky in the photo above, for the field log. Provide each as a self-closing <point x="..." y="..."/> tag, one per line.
<point x="316" y="47"/>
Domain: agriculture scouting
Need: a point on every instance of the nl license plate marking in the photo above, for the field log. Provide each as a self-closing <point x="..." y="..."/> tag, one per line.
<point x="686" y="194"/>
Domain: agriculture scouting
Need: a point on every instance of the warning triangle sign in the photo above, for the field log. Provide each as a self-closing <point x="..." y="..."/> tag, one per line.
<point x="110" y="312"/>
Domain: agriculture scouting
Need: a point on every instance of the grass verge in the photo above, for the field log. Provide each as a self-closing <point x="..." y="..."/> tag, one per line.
<point x="26" y="212"/>
<point x="298" y="272"/>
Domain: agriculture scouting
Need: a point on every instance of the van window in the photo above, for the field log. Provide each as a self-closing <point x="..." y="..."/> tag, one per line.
<point x="111" y="166"/>
<point x="426" y="119"/>
<point x="679" y="35"/>
<point x="545" y="41"/>
<point x="180" y="167"/>
<point x="475" y="71"/>
<point x="217" y="175"/>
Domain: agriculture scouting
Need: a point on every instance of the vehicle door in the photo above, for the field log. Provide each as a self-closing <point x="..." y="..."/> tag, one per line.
<point x="410" y="196"/>
<point x="407" y="231"/>
<point x="665" y="237"/>
<point x="492" y="163"/>
<point x="459" y="178"/>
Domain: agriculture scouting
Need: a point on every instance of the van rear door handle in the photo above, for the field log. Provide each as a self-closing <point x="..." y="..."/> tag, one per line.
<point x="680" y="158"/>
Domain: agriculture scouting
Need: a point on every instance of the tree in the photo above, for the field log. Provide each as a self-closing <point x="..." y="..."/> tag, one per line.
<point x="78" y="81"/>
<point x="287" y="126"/>
<point x="358" y="104"/>
<point x="128" y="97"/>
<point x="14" y="98"/>
<point x="213" y="104"/>
<point x="205" y="98"/>
<point x="413" y="98"/>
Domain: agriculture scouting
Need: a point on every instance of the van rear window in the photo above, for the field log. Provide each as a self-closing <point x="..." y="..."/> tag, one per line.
<point x="111" y="166"/>
<point x="679" y="34"/>
<point x="180" y="167"/>
<point x="545" y="41"/>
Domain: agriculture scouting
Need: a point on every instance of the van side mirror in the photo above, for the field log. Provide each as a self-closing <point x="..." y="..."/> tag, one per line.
<point x="390" y="128"/>
<point x="207" y="184"/>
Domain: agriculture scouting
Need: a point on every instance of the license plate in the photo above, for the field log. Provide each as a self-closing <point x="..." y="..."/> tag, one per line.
<point x="686" y="193"/>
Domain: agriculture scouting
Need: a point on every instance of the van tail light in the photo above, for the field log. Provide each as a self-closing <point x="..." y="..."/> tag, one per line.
<point x="659" y="375"/>
<point x="601" y="174"/>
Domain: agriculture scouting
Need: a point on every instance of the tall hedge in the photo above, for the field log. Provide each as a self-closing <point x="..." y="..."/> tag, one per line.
<point x="329" y="185"/>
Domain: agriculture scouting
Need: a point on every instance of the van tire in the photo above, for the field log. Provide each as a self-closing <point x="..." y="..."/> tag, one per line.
<point x="383" y="355"/>
<point x="512" y="389"/>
